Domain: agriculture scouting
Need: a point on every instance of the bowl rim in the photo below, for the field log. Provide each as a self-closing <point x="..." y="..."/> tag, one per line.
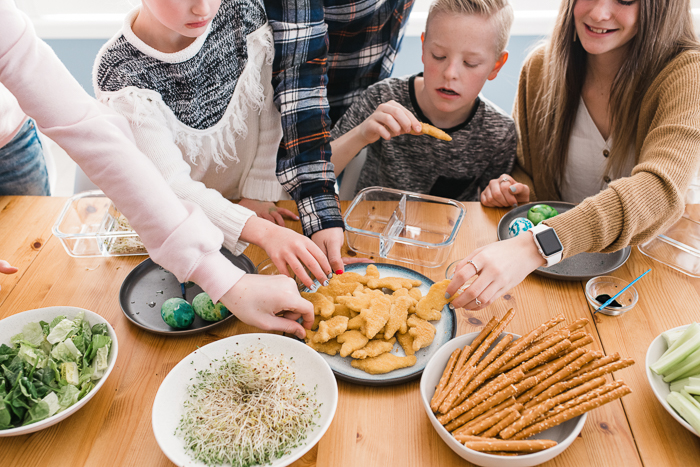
<point x="251" y="339"/>
<point x="113" y="353"/>
<point x="616" y="311"/>
<point x="465" y="339"/>
<point x="651" y="376"/>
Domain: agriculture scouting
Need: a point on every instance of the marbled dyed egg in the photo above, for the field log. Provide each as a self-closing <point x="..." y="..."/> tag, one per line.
<point x="205" y="308"/>
<point x="177" y="313"/>
<point x="518" y="226"/>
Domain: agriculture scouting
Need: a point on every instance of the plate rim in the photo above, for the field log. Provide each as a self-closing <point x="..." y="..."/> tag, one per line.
<point x="651" y="376"/>
<point x="400" y="379"/>
<point x="542" y="271"/>
<point x="235" y="339"/>
<point x="177" y="332"/>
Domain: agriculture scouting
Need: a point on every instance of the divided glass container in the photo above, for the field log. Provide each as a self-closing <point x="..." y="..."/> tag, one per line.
<point x="403" y="226"/>
<point x="90" y="225"/>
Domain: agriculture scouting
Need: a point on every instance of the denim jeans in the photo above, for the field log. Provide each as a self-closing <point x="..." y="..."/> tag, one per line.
<point x="22" y="165"/>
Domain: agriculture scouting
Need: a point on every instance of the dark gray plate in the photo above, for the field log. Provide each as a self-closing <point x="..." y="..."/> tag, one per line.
<point x="149" y="283"/>
<point x="577" y="268"/>
<point x="445" y="330"/>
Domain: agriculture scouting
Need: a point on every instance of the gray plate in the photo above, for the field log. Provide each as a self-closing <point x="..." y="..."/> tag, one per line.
<point x="577" y="268"/>
<point x="150" y="283"/>
<point x="445" y="330"/>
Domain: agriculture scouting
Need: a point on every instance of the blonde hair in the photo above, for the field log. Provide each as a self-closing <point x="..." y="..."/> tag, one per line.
<point x="665" y="29"/>
<point x="499" y="10"/>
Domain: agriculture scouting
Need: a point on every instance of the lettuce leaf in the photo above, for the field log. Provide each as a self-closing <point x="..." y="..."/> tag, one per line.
<point x="33" y="334"/>
<point x="61" y="331"/>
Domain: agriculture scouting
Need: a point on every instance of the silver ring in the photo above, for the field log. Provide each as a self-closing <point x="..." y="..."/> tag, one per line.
<point x="477" y="301"/>
<point x="473" y="264"/>
<point x="504" y="179"/>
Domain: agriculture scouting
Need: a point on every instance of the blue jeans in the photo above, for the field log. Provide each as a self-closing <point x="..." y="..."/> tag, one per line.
<point x="22" y="165"/>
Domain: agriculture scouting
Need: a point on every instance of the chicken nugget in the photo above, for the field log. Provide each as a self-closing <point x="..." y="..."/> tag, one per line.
<point x="342" y="310"/>
<point x="429" y="307"/>
<point x="357" y="302"/>
<point x="376" y="316"/>
<point x="352" y="341"/>
<point x="372" y="271"/>
<point x="415" y="293"/>
<point x="331" y="328"/>
<point x="350" y="276"/>
<point x="317" y="319"/>
<point x="397" y="316"/>
<point x="356" y="323"/>
<point x="406" y="341"/>
<point x="392" y="283"/>
<point x="331" y="347"/>
<point x="322" y="305"/>
<point x="383" y="363"/>
<point x="374" y="348"/>
<point x="336" y="289"/>
<point x="422" y="332"/>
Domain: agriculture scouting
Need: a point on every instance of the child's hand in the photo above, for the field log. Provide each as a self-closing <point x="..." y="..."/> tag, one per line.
<point x="389" y="120"/>
<point x="267" y="210"/>
<point x="5" y="267"/>
<point x="271" y="303"/>
<point x="505" y="192"/>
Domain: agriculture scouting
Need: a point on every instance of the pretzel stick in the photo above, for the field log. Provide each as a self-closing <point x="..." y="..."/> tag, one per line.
<point x="551" y="370"/>
<point x="596" y="364"/>
<point x="495" y="352"/>
<point x="488" y="423"/>
<point x="526" y="419"/>
<point x="456" y="390"/>
<point x="572" y="412"/>
<point x="548" y="366"/>
<point x="573" y="327"/>
<point x="463" y="356"/>
<point x="495" y="333"/>
<point x="503" y="453"/>
<point x="510" y="446"/>
<point x="581" y="399"/>
<point x="481" y="375"/>
<point x="481" y="408"/>
<point x="581" y="342"/>
<point x="577" y="335"/>
<point x="502" y="381"/>
<point x="525" y="384"/>
<point x="558" y="376"/>
<point x="571" y="383"/>
<point x="535" y="349"/>
<point x="434" y="132"/>
<point x="545" y="356"/>
<point x="494" y="430"/>
<point x="510" y="402"/>
<point x="574" y="393"/>
<point x="445" y="378"/>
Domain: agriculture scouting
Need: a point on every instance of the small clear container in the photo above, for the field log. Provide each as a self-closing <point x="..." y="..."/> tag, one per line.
<point x="610" y="285"/>
<point x="90" y="225"/>
<point x="403" y="226"/>
<point x="679" y="246"/>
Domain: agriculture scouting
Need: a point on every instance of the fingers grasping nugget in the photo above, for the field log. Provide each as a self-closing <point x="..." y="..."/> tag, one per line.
<point x="322" y="305"/>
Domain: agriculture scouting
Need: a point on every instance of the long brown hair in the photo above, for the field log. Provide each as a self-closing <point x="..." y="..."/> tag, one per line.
<point x="665" y="29"/>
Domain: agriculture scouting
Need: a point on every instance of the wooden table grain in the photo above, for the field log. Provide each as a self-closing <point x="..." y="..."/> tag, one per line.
<point x="373" y="426"/>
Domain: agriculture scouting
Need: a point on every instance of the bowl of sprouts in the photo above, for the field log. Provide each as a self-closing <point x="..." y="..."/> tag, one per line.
<point x="250" y="399"/>
<point x="52" y="362"/>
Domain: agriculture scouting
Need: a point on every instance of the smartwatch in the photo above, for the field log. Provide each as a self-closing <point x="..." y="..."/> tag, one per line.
<point x="547" y="243"/>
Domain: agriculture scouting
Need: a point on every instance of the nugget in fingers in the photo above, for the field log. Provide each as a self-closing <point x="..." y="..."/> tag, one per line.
<point x="323" y="306"/>
<point x="435" y="132"/>
<point x="383" y="363"/>
<point x="429" y="307"/>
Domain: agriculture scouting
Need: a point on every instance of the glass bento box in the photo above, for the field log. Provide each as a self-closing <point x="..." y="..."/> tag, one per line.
<point x="403" y="226"/>
<point x="90" y="225"/>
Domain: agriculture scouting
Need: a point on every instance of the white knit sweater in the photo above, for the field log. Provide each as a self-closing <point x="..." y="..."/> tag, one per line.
<point x="204" y="115"/>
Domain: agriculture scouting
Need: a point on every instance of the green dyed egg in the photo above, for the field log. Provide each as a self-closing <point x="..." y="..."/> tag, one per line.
<point x="205" y="308"/>
<point x="177" y="313"/>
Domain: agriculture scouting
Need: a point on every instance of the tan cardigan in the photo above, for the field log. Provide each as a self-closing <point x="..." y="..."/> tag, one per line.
<point x="635" y="208"/>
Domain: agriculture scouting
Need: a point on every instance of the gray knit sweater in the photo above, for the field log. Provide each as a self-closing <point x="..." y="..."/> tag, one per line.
<point x="482" y="148"/>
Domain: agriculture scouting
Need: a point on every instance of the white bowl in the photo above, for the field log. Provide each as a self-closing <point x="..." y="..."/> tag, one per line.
<point x="13" y="325"/>
<point x="563" y="434"/>
<point x="311" y="371"/>
<point x="661" y="388"/>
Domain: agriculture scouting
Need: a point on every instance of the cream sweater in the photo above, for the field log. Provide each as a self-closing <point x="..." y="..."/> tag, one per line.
<point x="667" y="153"/>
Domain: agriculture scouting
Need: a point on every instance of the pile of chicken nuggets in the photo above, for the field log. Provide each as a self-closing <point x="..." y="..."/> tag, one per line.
<point x="356" y="318"/>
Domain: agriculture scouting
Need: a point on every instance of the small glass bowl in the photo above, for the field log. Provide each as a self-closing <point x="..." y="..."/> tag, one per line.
<point x="610" y="285"/>
<point x="268" y="268"/>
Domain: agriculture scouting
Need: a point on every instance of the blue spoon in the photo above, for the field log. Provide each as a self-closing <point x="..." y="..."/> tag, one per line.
<point x="610" y="300"/>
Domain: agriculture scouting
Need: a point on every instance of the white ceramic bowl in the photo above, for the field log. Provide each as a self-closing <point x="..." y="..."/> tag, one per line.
<point x="661" y="388"/>
<point x="14" y="324"/>
<point x="563" y="434"/>
<point x="311" y="371"/>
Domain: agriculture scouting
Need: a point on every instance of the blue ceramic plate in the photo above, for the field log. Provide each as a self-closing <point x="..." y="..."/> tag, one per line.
<point x="445" y="330"/>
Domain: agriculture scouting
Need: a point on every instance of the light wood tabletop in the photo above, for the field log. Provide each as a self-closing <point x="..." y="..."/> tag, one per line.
<point x="373" y="425"/>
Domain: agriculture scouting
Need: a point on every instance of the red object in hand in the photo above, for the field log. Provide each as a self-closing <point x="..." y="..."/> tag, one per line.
<point x="339" y="271"/>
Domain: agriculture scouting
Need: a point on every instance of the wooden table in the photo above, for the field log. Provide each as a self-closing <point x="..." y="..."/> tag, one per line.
<point x="372" y="426"/>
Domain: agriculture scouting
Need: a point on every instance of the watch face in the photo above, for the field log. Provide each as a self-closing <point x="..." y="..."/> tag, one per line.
<point x="549" y="242"/>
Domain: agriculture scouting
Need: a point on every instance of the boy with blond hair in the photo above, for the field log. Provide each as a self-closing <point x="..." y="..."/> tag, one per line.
<point x="463" y="46"/>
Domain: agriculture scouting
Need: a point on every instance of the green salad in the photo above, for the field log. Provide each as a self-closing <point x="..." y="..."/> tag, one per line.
<point x="48" y="367"/>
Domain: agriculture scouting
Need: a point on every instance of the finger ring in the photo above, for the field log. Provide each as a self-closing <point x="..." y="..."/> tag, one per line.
<point x="504" y="179"/>
<point x="474" y="264"/>
<point x="477" y="301"/>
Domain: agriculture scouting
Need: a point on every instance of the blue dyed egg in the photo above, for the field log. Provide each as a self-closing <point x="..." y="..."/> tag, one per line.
<point x="518" y="226"/>
<point x="177" y="313"/>
<point x="204" y="308"/>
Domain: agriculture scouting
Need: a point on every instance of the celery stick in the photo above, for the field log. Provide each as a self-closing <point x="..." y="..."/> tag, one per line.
<point x="685" y="409"/>
<point x="685" y="394"/>
<point x="690" y="367"/>
<point x="672" y="335"/>
<point x="675" y="338"/>
<point x="695" y="390"/>
<point x="671" y="359"/>
<point x="676" y="386"/>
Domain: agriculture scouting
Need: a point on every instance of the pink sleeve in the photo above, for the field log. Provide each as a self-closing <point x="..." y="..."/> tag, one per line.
<point x="177" y="234"/>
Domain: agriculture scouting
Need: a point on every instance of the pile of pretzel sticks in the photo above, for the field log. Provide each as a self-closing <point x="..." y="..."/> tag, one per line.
<point x="493" y="401"/>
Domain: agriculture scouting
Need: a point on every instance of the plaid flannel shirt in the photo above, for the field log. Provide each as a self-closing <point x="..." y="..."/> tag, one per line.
<point x="327" y="52"/>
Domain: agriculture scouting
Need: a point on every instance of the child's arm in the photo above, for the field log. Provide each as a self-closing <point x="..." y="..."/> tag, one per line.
<point x="390" y="119"/>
